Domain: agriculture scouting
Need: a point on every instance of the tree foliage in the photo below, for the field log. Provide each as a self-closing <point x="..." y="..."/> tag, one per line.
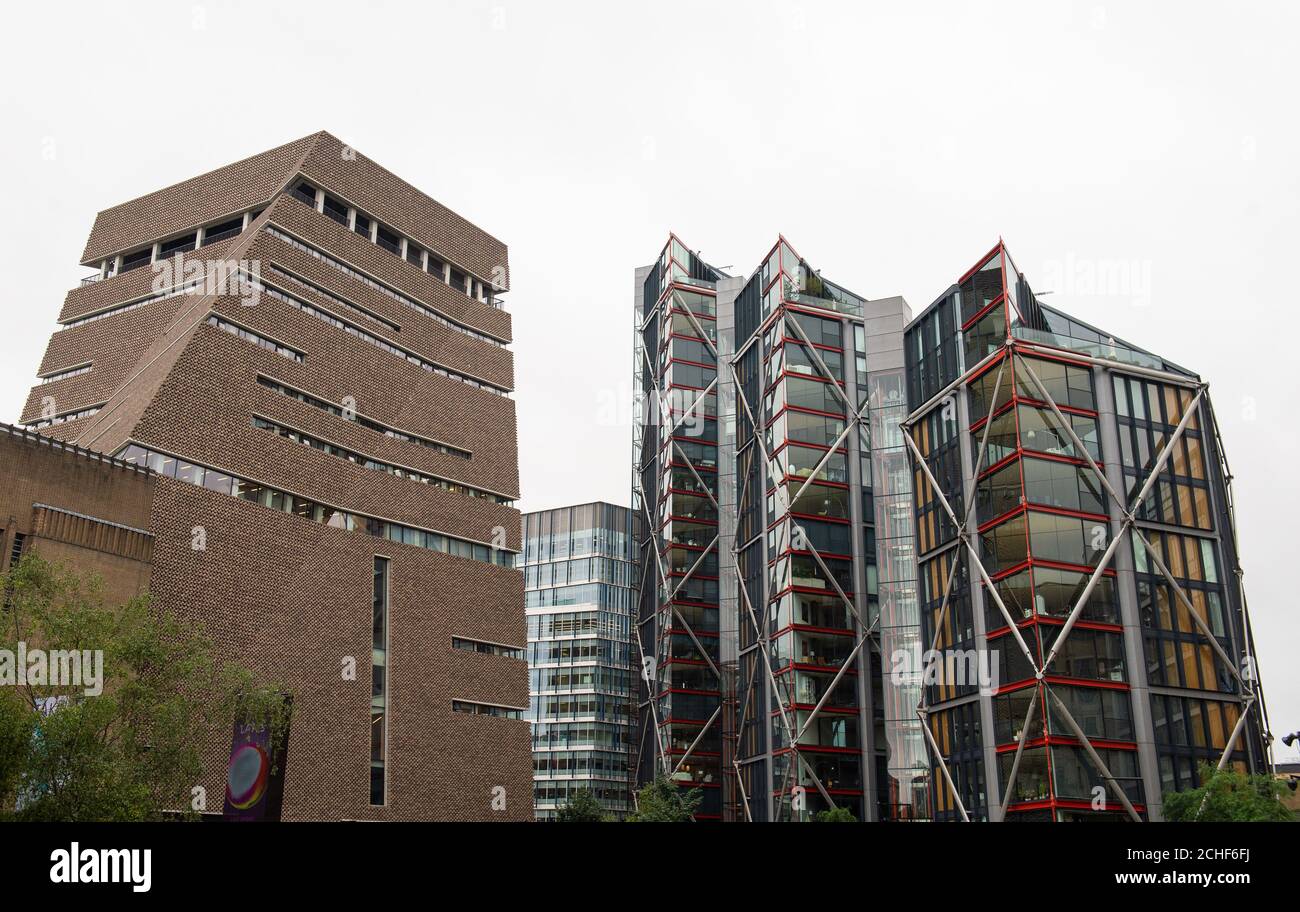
<point x="1228" y="796"/>
<point x="582" y="807"/>
<point x="835" y="815"/>
<point x="131" y="752"/>
<point x="662" y="801"/>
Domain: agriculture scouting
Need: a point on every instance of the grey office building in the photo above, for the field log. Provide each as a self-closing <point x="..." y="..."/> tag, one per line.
<point x="579" y="574"/>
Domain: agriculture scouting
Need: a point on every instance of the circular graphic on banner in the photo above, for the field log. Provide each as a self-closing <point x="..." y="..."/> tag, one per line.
<point x="247" y="776"/>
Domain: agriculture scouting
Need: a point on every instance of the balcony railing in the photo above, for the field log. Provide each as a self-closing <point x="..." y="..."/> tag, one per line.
<point x="684" y="279"/>
<point x="1105" y="350"/>
<point x="852" y="308"/>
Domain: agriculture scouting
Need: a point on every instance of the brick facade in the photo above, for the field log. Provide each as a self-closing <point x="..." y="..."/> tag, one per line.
<point x="38" y="477"/>
<point x="289" y="596"/>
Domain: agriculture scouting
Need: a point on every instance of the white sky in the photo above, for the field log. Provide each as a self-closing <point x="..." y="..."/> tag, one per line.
<point x="891" y="143"/>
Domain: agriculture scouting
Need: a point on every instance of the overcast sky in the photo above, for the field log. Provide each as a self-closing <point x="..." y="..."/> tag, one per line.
<point x="891" y="143"/>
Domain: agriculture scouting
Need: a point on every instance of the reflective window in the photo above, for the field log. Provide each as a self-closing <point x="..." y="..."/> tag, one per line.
<point x="1067" y="539"/>
<point x="1063" y="485"/>
<point x="1067" y="384"/>
<point x="986" y="336"/>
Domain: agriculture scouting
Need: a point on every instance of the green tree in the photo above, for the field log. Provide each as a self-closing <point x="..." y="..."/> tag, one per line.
<point x="132" y="750"/>
<point x="835" y="815"/>
<point x="582" y="807"/>
<point x="661" y="801"/>
<point x="1227" y="795"/>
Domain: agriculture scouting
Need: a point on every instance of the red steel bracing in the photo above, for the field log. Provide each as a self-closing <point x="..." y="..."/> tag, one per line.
<point x="1015" y="350"/>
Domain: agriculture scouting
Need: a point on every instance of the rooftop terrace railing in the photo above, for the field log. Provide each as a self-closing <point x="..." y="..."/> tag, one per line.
<point x="1105" y="350"/>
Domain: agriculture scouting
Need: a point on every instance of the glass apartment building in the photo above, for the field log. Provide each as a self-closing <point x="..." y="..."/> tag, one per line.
<point x="1074" y="526"/>
<point x="775" y="542"/>
<point x="675" y="497"/>
<point x="579" y="579"/>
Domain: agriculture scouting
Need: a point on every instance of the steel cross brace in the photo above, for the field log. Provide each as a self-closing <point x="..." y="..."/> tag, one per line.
<point x="740" y="784"/>
<point x="1092" y="753"/>
<point x="964" y="539"/>
<point x="653" y="686"/>
<point x="924" y="716"/>
<point x="690" y="632"/>
<point x="765" y="659"/>
<point x="698" y="479"/>
<point x="1247" y="657"/>
<point x="962" y="534"/>
<point x="653" y="530"/>
<point x="763" y="642"/>
<point x="665" y="406"/>
<point x="1128" y="524"/>
<point x="648" y="544"/>
<point x="1129" y="515"/>
<point x="1020" y="749"/>
<point x="766" y="662"/>
<point x="858" y="415"/>
<point x="746" y="705"/>
<point x="970" y="509"/>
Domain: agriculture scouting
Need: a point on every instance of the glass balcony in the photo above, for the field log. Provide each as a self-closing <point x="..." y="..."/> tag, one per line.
<point x="851" y="307"/>
<point x="1108" y="351"/>
<point x="681" y="278"/>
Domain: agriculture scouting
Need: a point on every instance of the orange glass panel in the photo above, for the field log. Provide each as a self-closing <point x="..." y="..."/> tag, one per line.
<point x="1201" y="498"/>
<point x="1171" y="662"/>
<point x="1191" y="669"/>
<point x="1198" y="602"/>
<point x="1186" y="508"/>
<point x="1195" y="458"/>
<point x="1193" y="551"/>
<point x="1185" y="397"/>
<point x="1208" y="678"/>
<point x="1195" y="708"/>
<point x="1179" y="458"/>
<point x="1174" y="555"/>
<point x="1214" y="713"/>
<point x="1185" y="623"/>
<point x="1231" y="713"/>
<point x="1172" y="405"/>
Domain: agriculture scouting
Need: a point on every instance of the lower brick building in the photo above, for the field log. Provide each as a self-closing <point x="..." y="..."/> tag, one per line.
<point x="78" y="508"/>
<point x="292" y="600"/>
